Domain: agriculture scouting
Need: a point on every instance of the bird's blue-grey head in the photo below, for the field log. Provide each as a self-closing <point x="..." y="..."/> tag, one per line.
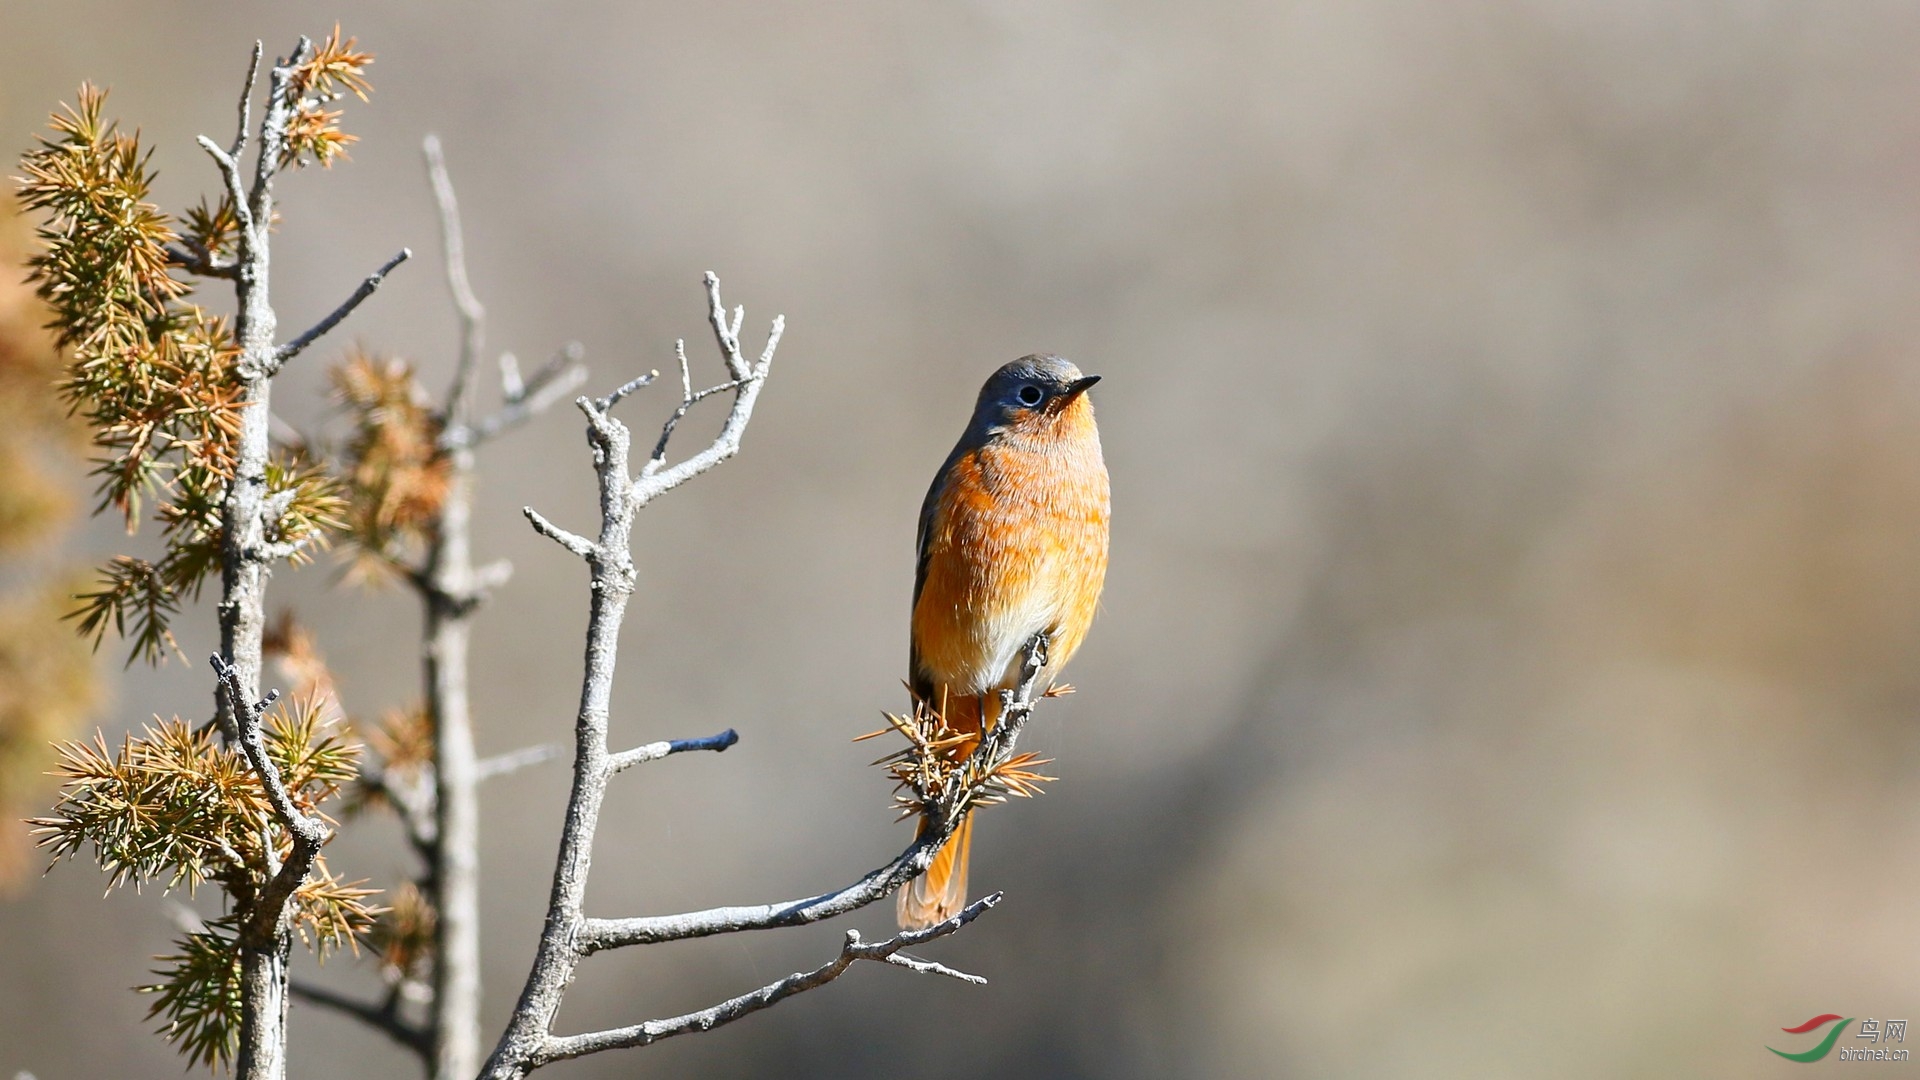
<point x="1027" y="390"/>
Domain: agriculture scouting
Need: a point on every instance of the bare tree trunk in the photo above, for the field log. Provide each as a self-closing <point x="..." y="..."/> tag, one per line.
<point x="243" y="567"/>
<point x="455" y="1023"/>
<point x="247" y="551"/>
<point x="263" y="1016"/>
<point x="611" y="563"/>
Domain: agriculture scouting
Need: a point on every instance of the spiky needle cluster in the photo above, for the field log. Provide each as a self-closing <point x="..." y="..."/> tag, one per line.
<point x="335" y="70"/>
<point x="153" y="375"/>
<point x="938" y="770"/>
<point x="150" y="374"/>
<point x="46" y="680"/>
<point x="175" y="400"/>
<point x="170" y="806"/>
<point x="396" y="471"/>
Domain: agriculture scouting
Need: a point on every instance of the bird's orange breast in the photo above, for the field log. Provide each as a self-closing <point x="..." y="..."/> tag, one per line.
<point x="1016" y="544"/>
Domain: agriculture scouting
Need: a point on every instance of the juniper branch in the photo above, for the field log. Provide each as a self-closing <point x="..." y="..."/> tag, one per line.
<point x="271" y="906"/>
<point x="245" y="554"/>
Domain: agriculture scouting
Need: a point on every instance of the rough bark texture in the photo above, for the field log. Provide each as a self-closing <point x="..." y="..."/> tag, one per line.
<point x="243" y="571"/>
<point x="243" y="565"/>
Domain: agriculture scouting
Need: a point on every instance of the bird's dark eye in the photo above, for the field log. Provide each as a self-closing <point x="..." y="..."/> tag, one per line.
<point x="1030" y="395"/>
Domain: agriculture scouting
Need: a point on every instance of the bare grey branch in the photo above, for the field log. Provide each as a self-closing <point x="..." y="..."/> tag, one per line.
<point x="473" y="315"/>
<point x="854" y="949"/>
<point x="293" y="348"/>
<point x="573" y="542"/>
<point x="654" y="751"/>
<point x="514" y="760"/>
<point x="568" y="936"/>
<point x="383" y="1017"/>
<point x="655" y="478"/>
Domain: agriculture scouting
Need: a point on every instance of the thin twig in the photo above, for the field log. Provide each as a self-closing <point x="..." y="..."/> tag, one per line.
<point x="245" y="109"/>
<point x="519" y="410"/>
<point x="384" y="1017"/>
<point x="628" y="387"/>
<point x="564" y="359"/>
<point x="473" y="314"/>
<point x="573" y="542"/>
<point x="198" y="260"/>
<point x="229" y="165"/>
<point x="414" y="803"/>
<point x="656" y="480"/>
<point x="514" y="760"/>
<point x="852" y="950"/>
<point x="523" y="400"/>
<point x="293" y="348"/>
<point x="654" y="751"/>
<point x="309" y="833"/>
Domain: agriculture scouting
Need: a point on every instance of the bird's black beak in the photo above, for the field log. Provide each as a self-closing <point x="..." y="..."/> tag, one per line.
<point x="1081" y="386"/>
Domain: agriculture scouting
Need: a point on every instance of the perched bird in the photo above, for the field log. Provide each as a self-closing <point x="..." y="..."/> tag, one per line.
<point x="1012" y="542"/>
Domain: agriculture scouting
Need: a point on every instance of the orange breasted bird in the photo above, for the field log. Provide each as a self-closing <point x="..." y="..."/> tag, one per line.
<point x="1012" y="542"/>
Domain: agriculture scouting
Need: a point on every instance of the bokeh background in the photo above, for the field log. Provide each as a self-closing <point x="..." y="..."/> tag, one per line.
<point x="1512" y="644"/>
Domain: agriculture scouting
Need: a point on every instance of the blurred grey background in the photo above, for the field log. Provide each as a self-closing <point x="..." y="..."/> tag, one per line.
<point x="1511" y="649"/>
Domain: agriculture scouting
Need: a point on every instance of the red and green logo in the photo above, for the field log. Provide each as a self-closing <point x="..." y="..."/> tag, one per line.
<point x="1825" y="1045"/>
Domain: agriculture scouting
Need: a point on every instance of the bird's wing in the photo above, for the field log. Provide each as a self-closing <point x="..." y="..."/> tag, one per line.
<point x="929" y="508"/>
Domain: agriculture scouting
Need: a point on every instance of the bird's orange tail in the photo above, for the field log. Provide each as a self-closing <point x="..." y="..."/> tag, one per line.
<point x="941" y="892"/>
